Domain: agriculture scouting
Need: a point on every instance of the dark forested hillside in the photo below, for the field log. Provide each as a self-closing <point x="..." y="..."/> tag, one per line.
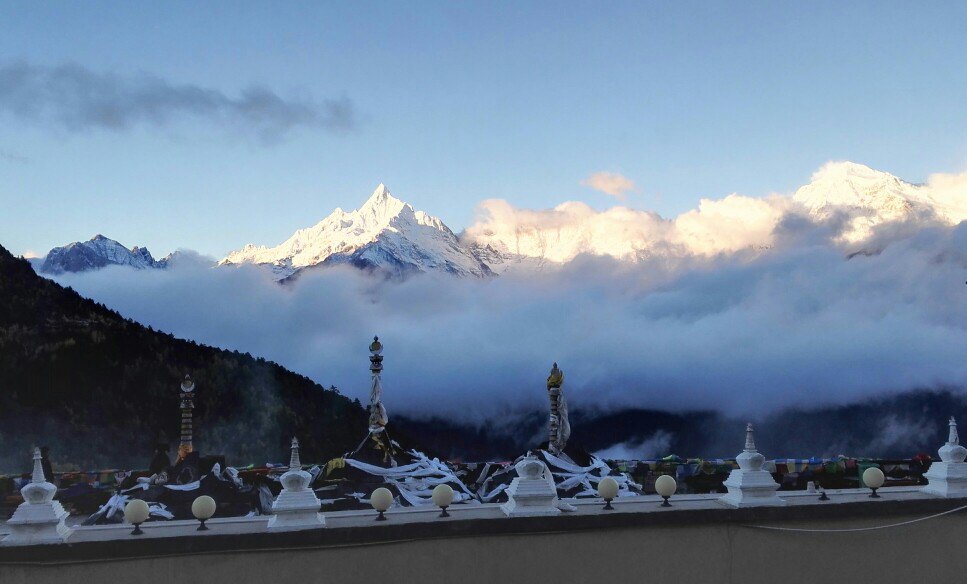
<point x="99" y="388"/>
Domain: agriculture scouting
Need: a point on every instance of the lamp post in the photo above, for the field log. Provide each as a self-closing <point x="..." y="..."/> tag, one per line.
<point x="608" y="490"/>
<point x="136" y="512"/>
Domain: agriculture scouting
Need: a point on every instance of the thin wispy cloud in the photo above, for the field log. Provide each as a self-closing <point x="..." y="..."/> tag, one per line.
<point x="610" y="183"/>
<point x="79" y="99"/>
<point x="14" y="157"/>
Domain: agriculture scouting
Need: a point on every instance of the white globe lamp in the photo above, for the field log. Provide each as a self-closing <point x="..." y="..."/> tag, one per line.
<point x="203" y="508"/>
<point x="442" y="497"/>
<point x="665" y="486"/>
<point x="381" y="500"/>
<point x="874" y="479"/>
<point x="136" y="512"/>
<point x="608" y="490"/>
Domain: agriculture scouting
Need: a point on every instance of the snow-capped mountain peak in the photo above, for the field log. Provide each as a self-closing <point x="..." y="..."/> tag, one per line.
<point x="865" y="197"/>
<point x="848" y="184"/>
<point x="97" y="252"/>
<point x="384" y="234"/>
<point x="381" y="206"/>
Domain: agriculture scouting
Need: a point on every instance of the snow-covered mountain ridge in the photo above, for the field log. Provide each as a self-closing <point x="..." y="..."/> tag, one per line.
<point x="867" y="198"/>
<point x="384" y="234"/>
<point x="98" y="252"/>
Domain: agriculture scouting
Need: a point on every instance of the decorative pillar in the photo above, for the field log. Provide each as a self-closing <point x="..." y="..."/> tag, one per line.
<point x="948" y="477"/>
<point x="39" y="519"/>
<point x="187" y="412"/>
<point x="297" y="505"/>
<point x="377" y="413"/>
<point x="749" y="485"/>
<point x="559" y="428"/>
<point x="531" y="493"/>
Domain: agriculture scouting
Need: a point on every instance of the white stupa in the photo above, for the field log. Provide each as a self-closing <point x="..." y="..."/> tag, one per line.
<point x="948" y="478"/>
<point x="749" y="485"/>
<point x="297" y="505"/>
<point x="531" y="494"/>
<point x="39" y="519"/>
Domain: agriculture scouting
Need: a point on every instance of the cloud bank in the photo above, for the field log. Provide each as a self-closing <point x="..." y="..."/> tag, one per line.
<point x="857" y="208"/>
<point x="745" y="333"/>
<point x="558" y="235"/>
<point x="80" y="99"/>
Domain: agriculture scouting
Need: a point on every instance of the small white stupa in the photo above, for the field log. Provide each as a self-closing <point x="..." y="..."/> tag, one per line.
<point x="39" y="519"/>
<point x="531" y="493"/>
<point x="749" y="485"/>
<point x="297" y="505"/>
<point x="948" y="478"/>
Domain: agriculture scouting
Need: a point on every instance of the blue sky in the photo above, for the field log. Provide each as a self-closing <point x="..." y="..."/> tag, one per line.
<point x="453" y="104"/>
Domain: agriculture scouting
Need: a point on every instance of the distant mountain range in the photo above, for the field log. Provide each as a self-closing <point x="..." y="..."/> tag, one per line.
<point x="388" y="236"/>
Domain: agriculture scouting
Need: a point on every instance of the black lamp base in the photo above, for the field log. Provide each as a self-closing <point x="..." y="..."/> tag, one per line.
<point x="137" y="529"/>
<point x="380" y="517"/>
<point x="874" y="495"/>
<point x="823" y="496"/>
<point x="444" y="513"/>
<point x="202" y="527"/>
<point x="607" y="506"/>
<point x="665" y="503"/>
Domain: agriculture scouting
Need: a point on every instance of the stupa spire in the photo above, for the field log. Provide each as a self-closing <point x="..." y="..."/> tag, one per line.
<point x="749" y="438"/>
<point x="294" y="462"/>
<point x="953" y="439"/>
<point x="38" y="475"/>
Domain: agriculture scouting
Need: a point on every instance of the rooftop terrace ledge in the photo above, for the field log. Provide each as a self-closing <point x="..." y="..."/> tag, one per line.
<point x="358" y="528"/>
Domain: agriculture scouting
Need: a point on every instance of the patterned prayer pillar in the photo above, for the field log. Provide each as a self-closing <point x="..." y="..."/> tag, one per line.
<point x="187" y="409"/>
<point x="377" y="413"/>
<point x="557" y="421"/>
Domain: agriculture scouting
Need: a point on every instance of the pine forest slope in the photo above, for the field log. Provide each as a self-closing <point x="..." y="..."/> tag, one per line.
<point x="99" y="388"/>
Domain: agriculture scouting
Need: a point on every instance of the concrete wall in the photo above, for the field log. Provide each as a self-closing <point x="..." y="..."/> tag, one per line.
<point x="924" y="552"/>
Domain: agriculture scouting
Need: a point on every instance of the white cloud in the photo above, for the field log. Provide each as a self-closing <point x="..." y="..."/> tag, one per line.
<point x="567" y="230"/>
<point x="656" y="446"/>
<point x="559" y="234"/>
<point x="950" y="191"/>
<point x="730" y="224"/>
<point x="610" y="183"/>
